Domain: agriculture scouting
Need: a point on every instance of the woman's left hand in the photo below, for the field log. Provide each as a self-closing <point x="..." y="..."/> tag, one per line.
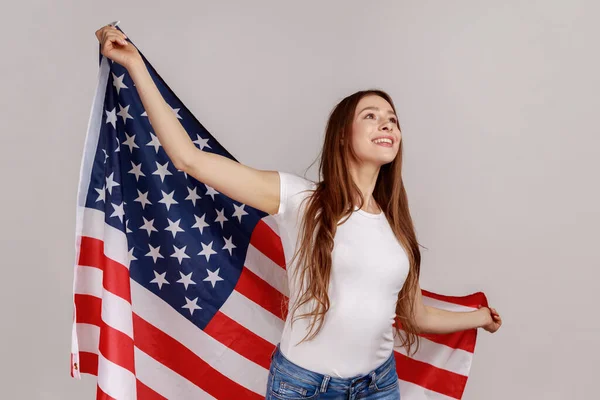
<point x="492" y="320"/>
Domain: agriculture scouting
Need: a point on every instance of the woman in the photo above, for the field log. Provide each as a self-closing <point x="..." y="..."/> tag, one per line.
<point x="350" y="246"/>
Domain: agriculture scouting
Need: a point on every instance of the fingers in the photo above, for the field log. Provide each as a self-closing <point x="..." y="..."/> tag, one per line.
<point x="112" y="34"/>
<point x="495" y="316"/>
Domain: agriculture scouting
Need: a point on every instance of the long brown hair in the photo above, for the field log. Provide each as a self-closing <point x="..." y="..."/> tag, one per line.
<point x="333" y="199"/>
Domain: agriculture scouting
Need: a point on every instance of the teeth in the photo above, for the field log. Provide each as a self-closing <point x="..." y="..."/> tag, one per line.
<point x="383" y="140"/>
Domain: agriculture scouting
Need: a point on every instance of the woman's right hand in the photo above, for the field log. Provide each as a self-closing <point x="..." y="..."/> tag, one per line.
<point x="114" y="46"/>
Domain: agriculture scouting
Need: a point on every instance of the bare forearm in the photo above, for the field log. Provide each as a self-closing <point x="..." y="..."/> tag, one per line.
<point x="170" y="133"/>
<point x="440" y="321"/>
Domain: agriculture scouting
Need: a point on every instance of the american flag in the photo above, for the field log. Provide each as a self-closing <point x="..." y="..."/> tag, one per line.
<point x="178" y="288"/>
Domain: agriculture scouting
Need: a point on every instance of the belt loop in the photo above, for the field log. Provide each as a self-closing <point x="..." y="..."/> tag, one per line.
<point x="373" y="378"/>
<point x="324" y="383"/>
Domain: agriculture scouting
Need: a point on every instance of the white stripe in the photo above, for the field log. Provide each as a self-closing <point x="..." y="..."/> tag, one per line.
<point x="116" y="312"/>
<point x="409" y="390"/>
<point x="115" y="381"/>
<point x="441" y="356"/>
<point x="89" y="337"/>
<point x="148" y="371"/>
<point x="88" y="280"/>
<point x="164" y="381"/>
<point x="444" y="305"/>
<point x="115" y="241"/>
<point x="266" y="269"/>
<point x="269" y="220"/>
<point x="223" y="359"/>
<point x="252" y="316"/>
<point x="87" y="160"/>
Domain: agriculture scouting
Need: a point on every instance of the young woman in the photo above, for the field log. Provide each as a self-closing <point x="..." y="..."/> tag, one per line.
<point x="352" y="255"/>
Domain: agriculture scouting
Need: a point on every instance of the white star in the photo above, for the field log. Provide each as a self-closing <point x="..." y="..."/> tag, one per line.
<point x="127" y="230"/>
<point x="118" y="148"/>
<point x="207" y="251"/>
<point x="130" y="256"/>
<point x="154" y="142"/>
<point x="105" y="156"/>
<point x="239" y="211"/>
<point x="119" y="211"/>
<point x="186" y="279"/>
<point x="191" y="305"/>
<point x="221" y="217"/>
<point x="159" y="279"/>
<point x="213" y="277"/>
<point x="110" y="183"/>
<point x="174" y="227"/>
<point x="200" y="223"/>
<point x="210" y="192"/>
<point x="192" y="196"/>
<point x="124" y="113"/>
<point x="229" y="244"/>
<point x="101" y="193"/>
<point x="130" y="142"/>
<point x="143" y="199"/>
<point x="179" y="254"/>
<point x="136" y="170"/>
<point x="149" y="226"/>
<point x="162" y="170"/>
<point x="202" y="143"/>
<point x="111" y="117"/>
<point x="168" y="199"/>
<point x="118" y="83"/>
<point x="154" y="253"/>
<point x="176" y="112"/>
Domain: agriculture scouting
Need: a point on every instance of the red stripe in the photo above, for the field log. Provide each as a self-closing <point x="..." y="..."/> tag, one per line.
<point x="115" y="277"/>
<point x="117" y="347"/>
<point x="471" y="300"/>
<point x="100" y="395"/>
<point x="145" y="393"/>
<point x="174" y="355"/>
<point x="89" y="309"/>
<point x="263" y="294"/>
<point x="430" y="377"/>
<point x="463" y="340"/>
<point x="240" y="339"/>
<point x="88" y="363"/>
<point x="114" y="345"/>
<point x="265" y="240"/>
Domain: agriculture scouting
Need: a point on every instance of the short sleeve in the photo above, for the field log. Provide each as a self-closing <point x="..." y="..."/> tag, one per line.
<point x="292" y="190"/>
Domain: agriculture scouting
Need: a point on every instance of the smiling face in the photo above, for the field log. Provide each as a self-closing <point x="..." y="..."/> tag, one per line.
<point x="375" y="131"/>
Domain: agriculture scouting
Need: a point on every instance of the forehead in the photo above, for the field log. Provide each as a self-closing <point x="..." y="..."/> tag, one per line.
<point x="374" y="101"/>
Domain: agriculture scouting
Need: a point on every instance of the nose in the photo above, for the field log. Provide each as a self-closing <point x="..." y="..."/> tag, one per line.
<point x="388" y="126"/>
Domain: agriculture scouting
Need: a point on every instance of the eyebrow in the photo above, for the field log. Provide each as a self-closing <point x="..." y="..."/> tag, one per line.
<point x="376" y="108"/>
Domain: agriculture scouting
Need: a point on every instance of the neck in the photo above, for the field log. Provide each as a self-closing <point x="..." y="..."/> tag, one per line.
<point x="365" y="178"/>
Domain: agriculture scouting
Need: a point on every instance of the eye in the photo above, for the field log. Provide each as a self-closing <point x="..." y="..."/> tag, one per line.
<point x="394" y="120"/>
<point x="369" y="114"/>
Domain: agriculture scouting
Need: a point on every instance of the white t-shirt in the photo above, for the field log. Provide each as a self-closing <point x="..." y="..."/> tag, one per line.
<point x="369" y="267"/>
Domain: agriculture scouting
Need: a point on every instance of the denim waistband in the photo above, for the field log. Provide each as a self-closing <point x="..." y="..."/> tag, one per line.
<point x="325" y="381"/>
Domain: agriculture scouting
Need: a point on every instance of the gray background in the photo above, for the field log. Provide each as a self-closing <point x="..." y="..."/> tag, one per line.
<point x="498" y="102"/>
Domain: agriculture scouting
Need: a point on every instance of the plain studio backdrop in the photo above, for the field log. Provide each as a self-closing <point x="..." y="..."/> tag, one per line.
<point x="498" y="103"/>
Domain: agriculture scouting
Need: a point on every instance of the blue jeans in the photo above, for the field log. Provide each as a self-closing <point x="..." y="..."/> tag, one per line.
<point x="288" y="381"/>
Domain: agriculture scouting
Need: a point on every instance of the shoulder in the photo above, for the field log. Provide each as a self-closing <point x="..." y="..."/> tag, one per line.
<point x="293" y="181"/>
<point x="293" y="189"/>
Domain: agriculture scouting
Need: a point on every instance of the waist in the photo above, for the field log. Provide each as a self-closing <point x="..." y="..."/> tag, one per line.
<point x="325" y="381"/>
